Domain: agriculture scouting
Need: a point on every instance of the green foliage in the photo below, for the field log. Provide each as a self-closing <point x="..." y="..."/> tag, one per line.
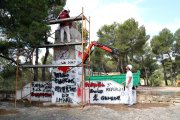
<point x="162" y="43"/>
<point x="128" y="38"/>
<point x="49" y="59"/>
<point x="96" y="58"/>
<point x="178" y="77"/>
<point x="24" y="24"/>
<point x="23" y="20"/>
<point x="9" y="70"/>
<point x="156" y="78"/>
<point x="7" y="77"/>
<point x="110" y="65"/>
<point x="177" y="42"/>
<point x="176" y="52"/>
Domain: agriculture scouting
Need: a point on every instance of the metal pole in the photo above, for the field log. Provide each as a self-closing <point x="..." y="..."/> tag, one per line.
<point x="89" y="62"/>
<point x="82" y="81"/>
<point x="85" y="32"/>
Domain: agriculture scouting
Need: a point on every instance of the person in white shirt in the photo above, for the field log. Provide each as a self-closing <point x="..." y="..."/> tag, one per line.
<point x="129" y="84"/>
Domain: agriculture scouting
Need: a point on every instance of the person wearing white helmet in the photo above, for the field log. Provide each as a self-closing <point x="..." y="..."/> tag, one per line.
<point x="129" y="84"/>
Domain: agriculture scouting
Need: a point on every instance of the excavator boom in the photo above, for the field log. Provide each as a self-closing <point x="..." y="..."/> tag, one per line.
<point x="100" y="45"/>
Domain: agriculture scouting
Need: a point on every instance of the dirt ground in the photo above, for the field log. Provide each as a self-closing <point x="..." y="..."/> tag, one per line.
<point x="36" y="111"/>
<point x="136" y="106"/>
<point x="10" y="111"/>
<point x="116" y="107"/>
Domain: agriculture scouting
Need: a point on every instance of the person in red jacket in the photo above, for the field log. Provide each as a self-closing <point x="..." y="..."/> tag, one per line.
<point x="64" y="26"/>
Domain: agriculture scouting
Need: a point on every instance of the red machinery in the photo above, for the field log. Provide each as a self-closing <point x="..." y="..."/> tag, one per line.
<point x="100" y="45"/>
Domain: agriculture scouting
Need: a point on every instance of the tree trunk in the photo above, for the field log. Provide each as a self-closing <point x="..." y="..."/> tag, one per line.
<point x="36" y="63"/>
<point x="126" y="61"/>
<point x="103" y="68"/>
<point x="172" y="80"/>
<point x="165" y="77"/>
<point x="146" y="76"/>
<point x="117" y="67"/>
<point x="132" y="54"/>
<point x="147" y="81"/>
<point x="121" y="65"/>
<point x="44" y="62"/>
<point x="31" y="62"/>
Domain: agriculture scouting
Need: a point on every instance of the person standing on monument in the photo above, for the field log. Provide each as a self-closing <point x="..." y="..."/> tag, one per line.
<point x="129" y="84"/>
<point x="64" y="26"/>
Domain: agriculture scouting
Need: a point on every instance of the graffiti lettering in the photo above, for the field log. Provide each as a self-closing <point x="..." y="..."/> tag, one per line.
<point x="95" y="97"/>
<point x="37" y="85"/>
<point x="71" y="62"/>
<point x="99" y="84"/>
<point x="65" y="84"/>
<point x="65" y="89"/>
<point x="110" y="98"/>
<point x="65" y="95"/>
<point x="64" y="80"/>
<point x="41" y="94"/>
<point x="96" y="91"/>
<point x="59" y="75"/>
<point x="64" y="100"/>
<point x="41" y="87"/>
<point x="63" y="62"/>
<point x="114" y="89"/>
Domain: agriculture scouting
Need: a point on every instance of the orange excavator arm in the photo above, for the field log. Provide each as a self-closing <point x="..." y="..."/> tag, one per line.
<point x="100" y="45"/>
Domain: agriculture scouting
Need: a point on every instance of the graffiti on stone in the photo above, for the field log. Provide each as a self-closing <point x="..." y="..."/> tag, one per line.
<point x="41" y="89"/>
<point x="106" y="92"/>
<point x="65" y="85"/>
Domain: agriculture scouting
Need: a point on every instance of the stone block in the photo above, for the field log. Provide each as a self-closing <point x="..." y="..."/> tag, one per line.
<point x="154" y="98"/>
<point x="160" y="98"/>
<point x="141" y="98"/>
<point x="146" y="101"/>
<point x="149" y="98"/>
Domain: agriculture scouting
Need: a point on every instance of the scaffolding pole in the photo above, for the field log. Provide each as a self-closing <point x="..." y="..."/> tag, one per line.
<point x="83" y="88"/>
<point x="89" y="63"/>
<point x="85" y="33"/>
<point x="82" y="81"/>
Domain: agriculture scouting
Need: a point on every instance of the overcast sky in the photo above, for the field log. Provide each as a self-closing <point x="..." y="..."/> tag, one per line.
<point x="153" y="14"/>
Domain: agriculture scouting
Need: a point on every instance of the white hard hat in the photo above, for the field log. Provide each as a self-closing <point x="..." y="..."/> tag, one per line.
<point x="130" y="67"/>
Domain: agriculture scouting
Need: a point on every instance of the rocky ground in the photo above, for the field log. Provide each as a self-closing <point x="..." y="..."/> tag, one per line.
<point x="151" y="111"/>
